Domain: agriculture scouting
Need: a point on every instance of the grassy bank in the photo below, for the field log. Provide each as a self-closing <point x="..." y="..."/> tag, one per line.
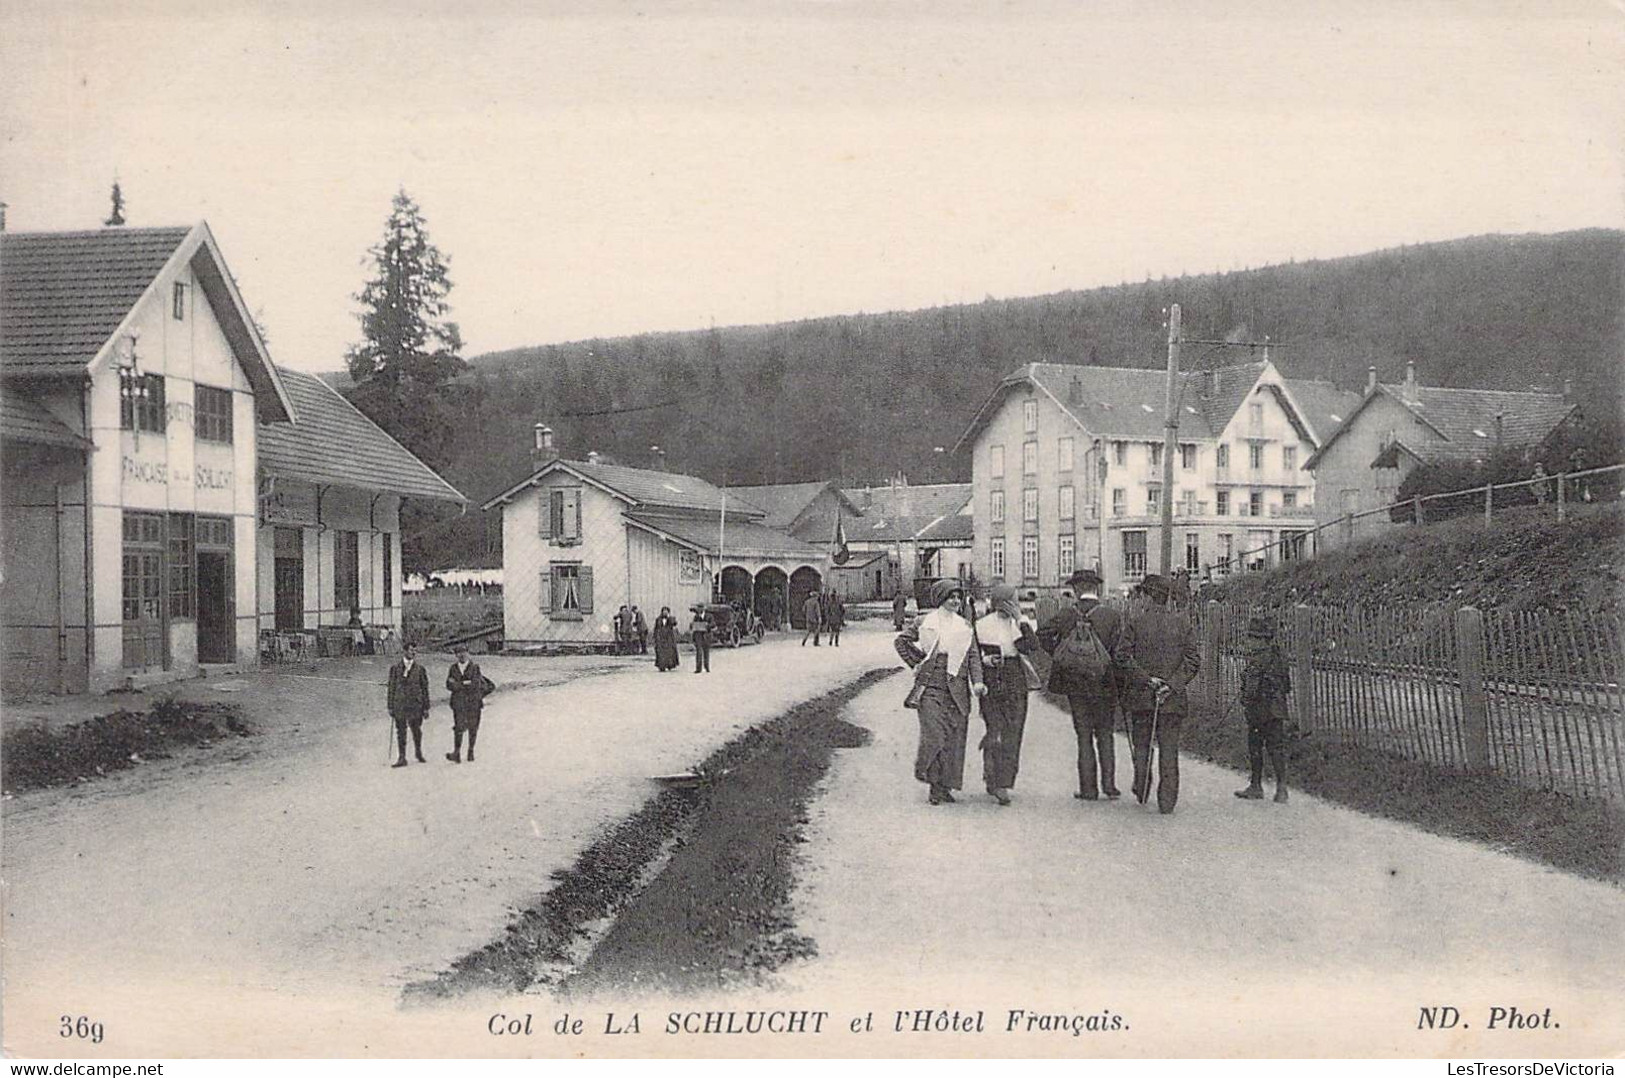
<point x="717" y="911"/>
<point x="1575" y="835"/>
<point x="36" y="756"/>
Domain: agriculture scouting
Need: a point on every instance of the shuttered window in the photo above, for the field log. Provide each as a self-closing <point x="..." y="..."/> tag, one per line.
<point x="567" y="589"/>
<point x="561" y="516"/>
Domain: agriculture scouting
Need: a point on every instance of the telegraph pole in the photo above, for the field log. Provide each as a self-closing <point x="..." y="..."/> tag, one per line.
<point x="1170" y="442"/>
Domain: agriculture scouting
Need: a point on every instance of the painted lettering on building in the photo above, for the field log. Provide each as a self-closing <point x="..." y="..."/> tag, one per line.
<point x="145" y="471"/>
<point x="213" y="479"/>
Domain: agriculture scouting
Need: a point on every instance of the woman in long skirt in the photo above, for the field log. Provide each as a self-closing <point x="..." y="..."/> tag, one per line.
<point x="947" y="673"/>
<point x="665" y="638"/>
<point x="1004" y="638"/>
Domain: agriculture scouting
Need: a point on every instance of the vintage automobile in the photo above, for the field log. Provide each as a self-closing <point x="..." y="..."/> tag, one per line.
<point x="732" y="627"/>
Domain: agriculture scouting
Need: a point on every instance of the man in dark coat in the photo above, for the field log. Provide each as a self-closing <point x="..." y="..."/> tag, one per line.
<point x="835" y="618"/>
<point x="1159" y="657"/>
<point x="1265" y="682"/>
<point x="468" y="688"/>
<point x="899" y="610"/>
<point x="640" y="629"/>
<point x="813" y="611"/>
<point x="409" y="702"/>
<point x="1094" y="702"/>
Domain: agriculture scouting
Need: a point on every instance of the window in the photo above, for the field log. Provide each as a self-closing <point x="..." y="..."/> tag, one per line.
<point x="1193" y="552"/>
<point x="1292" y="546"/>
<point x="1133" y="555"/>
<point x="1066" y="558"/>
<point x="1222" y="458"/>
<point x="561" y="515"/>
<point x="1255" y="456"/>
<point x="1120" y="453"/>
<point x="1029" y="505"/>
<point x="1156" y="454"/>
<point x="389" y="570"/>
<point x="1289" y="499"/>
<point x="1221" y="503"/>
<point x="182" y="569"/>
<point x="143" y="566"/>
<point x="212" y="414"/>
<point x="346" y="572"/>
<point x="1029" y="458"/>
<point x="1289" y="457"/>
<point x="1063" y="455"/>
<point x="996" y="508"/>
<point x="1153" y="497"/>
<point x="995" y="557"/>
<point x="1187" y="503"/>
<point x="141" y="401"/>
<point x="1187" y="456"/>
<point x="1255" y="504"/>
<point x="1119" y="500"/>
<point x="1067" y="504"/>
<point x="1029" y="416"/>
<point x="1029" y="558"/>
<point x="570" y="590"/>
<point x="179" y="308"/>
<point x="995" y="461"/>
<point x="1255" y="415"/>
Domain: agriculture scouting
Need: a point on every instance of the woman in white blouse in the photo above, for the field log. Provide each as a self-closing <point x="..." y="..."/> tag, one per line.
<point x="1005" y="638"/>
<point x="947" y="673"/>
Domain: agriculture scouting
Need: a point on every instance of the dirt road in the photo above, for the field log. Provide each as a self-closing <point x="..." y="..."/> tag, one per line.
<point x="1266" y="927"/>
<point x="320" y="873"/>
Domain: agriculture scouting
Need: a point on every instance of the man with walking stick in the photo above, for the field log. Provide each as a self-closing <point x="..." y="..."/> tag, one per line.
<point x="1160" y="655"/>
<point x="408" y="702"/>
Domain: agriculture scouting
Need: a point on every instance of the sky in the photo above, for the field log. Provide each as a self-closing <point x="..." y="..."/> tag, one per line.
<point x="599" y="169"/>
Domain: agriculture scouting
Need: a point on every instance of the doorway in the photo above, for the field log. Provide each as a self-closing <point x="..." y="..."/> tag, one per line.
<point x="289" y="582"/>
<point x="216" y="637"/>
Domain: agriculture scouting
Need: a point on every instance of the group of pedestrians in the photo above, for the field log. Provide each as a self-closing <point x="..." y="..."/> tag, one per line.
<point x="631" y="632"/>
<point x="1100" y="659"/>
<point x="408" y="702"/>
<point x="823" y="612"/>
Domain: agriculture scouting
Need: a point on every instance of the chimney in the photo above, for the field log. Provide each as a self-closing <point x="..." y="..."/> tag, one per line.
<point x="1371" y="379"/>
<point x="1498" y="431"/>
<point x="592" y="456"/>
<point x="657" y="458"/>
<point x="1568" y="383"/>
<point x="1410" y="381"/>
<point x="542" y="449"/>
<point x="1074" y="393"/>
<point x="1212" y="383"/>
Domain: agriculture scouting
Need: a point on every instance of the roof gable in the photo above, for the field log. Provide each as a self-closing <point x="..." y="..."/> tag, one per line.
<point x="333" y="443"/>
<point x="785" y="503"/>
<point x="642" y="488"/>
<point x="23" y="419"/>
<point x="1464" y="420"/>
<point x="893" y="513"/>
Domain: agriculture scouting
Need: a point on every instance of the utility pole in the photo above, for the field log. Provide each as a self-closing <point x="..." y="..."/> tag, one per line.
<point x="1170" y="442"/>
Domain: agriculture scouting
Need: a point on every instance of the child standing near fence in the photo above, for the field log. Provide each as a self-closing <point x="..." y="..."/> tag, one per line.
<point x="1265" y="683"/>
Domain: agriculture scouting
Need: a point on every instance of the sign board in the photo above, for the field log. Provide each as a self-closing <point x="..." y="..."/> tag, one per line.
<point x="288" y="503"/>
<point x="688" y="567"/>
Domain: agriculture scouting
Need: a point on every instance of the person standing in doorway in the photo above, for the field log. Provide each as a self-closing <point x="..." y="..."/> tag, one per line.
<point x="408" y="702"/>
<point x="468" y="688"/>
<point x="813" y="611"/>
<point x="940" y="647"/>
<point x="1160" y="656"/>
<point x="699" y="630"/>
<point x="1084" y="672"/>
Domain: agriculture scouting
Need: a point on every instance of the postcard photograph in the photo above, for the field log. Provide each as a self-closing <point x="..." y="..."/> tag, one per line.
<point x="812" y="530"/>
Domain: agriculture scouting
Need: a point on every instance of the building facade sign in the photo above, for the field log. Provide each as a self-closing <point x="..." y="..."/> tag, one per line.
<point x="288" y="503"/>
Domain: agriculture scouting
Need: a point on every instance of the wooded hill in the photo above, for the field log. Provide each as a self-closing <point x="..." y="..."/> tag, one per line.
<point x="864" y="396"/>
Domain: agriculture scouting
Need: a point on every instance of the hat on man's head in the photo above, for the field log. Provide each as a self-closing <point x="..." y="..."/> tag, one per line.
<point x="1084" y="578"/>
<point x="1002" y="593"/>
<point x="942" y="589"/>
<point x="1155" y="585"/>
<point x="1260" y="627"/>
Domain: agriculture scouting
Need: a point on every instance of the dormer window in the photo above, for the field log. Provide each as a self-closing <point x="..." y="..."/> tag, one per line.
<point x="180" y="302"/>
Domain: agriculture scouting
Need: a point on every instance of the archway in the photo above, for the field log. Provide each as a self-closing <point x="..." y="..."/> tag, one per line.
<point x="737" y="585"/>
<point x="772" y="596"/>
<point x="804" y="581"/>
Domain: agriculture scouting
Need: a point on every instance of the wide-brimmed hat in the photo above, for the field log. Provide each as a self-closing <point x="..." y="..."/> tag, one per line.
<point x="1084" y="578"/>
<point x="1002" y="593"/>
<point x="1260" y="627"/>
<point x="942" y="589"/>
<point x="1154" y="585"/>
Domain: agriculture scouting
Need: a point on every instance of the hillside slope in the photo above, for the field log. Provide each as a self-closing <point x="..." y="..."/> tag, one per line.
<point x="1527" y="561"/>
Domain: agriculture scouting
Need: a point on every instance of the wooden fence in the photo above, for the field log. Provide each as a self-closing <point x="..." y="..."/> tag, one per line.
<point x="1533" y="696"/>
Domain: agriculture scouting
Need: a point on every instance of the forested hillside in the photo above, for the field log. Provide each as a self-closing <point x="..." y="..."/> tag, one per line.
<point x="864" y="396"/>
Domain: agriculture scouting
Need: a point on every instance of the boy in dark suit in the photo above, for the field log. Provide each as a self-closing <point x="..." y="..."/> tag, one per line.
<point x="468" y="688"/>
<point x="409" y="702"/>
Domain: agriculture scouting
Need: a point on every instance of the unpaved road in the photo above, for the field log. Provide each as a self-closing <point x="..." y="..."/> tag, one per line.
<point x="1251" y="926"/>
<point x="264" y="898"/>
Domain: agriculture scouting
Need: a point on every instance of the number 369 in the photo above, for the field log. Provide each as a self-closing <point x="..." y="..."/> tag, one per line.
<point x="81" y="1028"/>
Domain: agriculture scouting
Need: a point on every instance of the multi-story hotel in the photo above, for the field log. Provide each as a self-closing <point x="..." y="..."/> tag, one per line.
<point x="1067" y="469"/>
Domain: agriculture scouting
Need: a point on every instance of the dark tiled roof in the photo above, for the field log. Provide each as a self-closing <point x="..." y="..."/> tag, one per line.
<point x="24" y="420"/>
<point x="1323" y="405"/>
<point x="954" y="527"/>
<point x="784" y="502"/>
<point x="1220" y="392"/>
<point x="891" y="514"/>
<point x="332" y="442"/>
<point x="64" y="293"/>
<point x="1467" y="416"/>
<point x="1118" y="402"/>
<point x="742" y="537"/>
